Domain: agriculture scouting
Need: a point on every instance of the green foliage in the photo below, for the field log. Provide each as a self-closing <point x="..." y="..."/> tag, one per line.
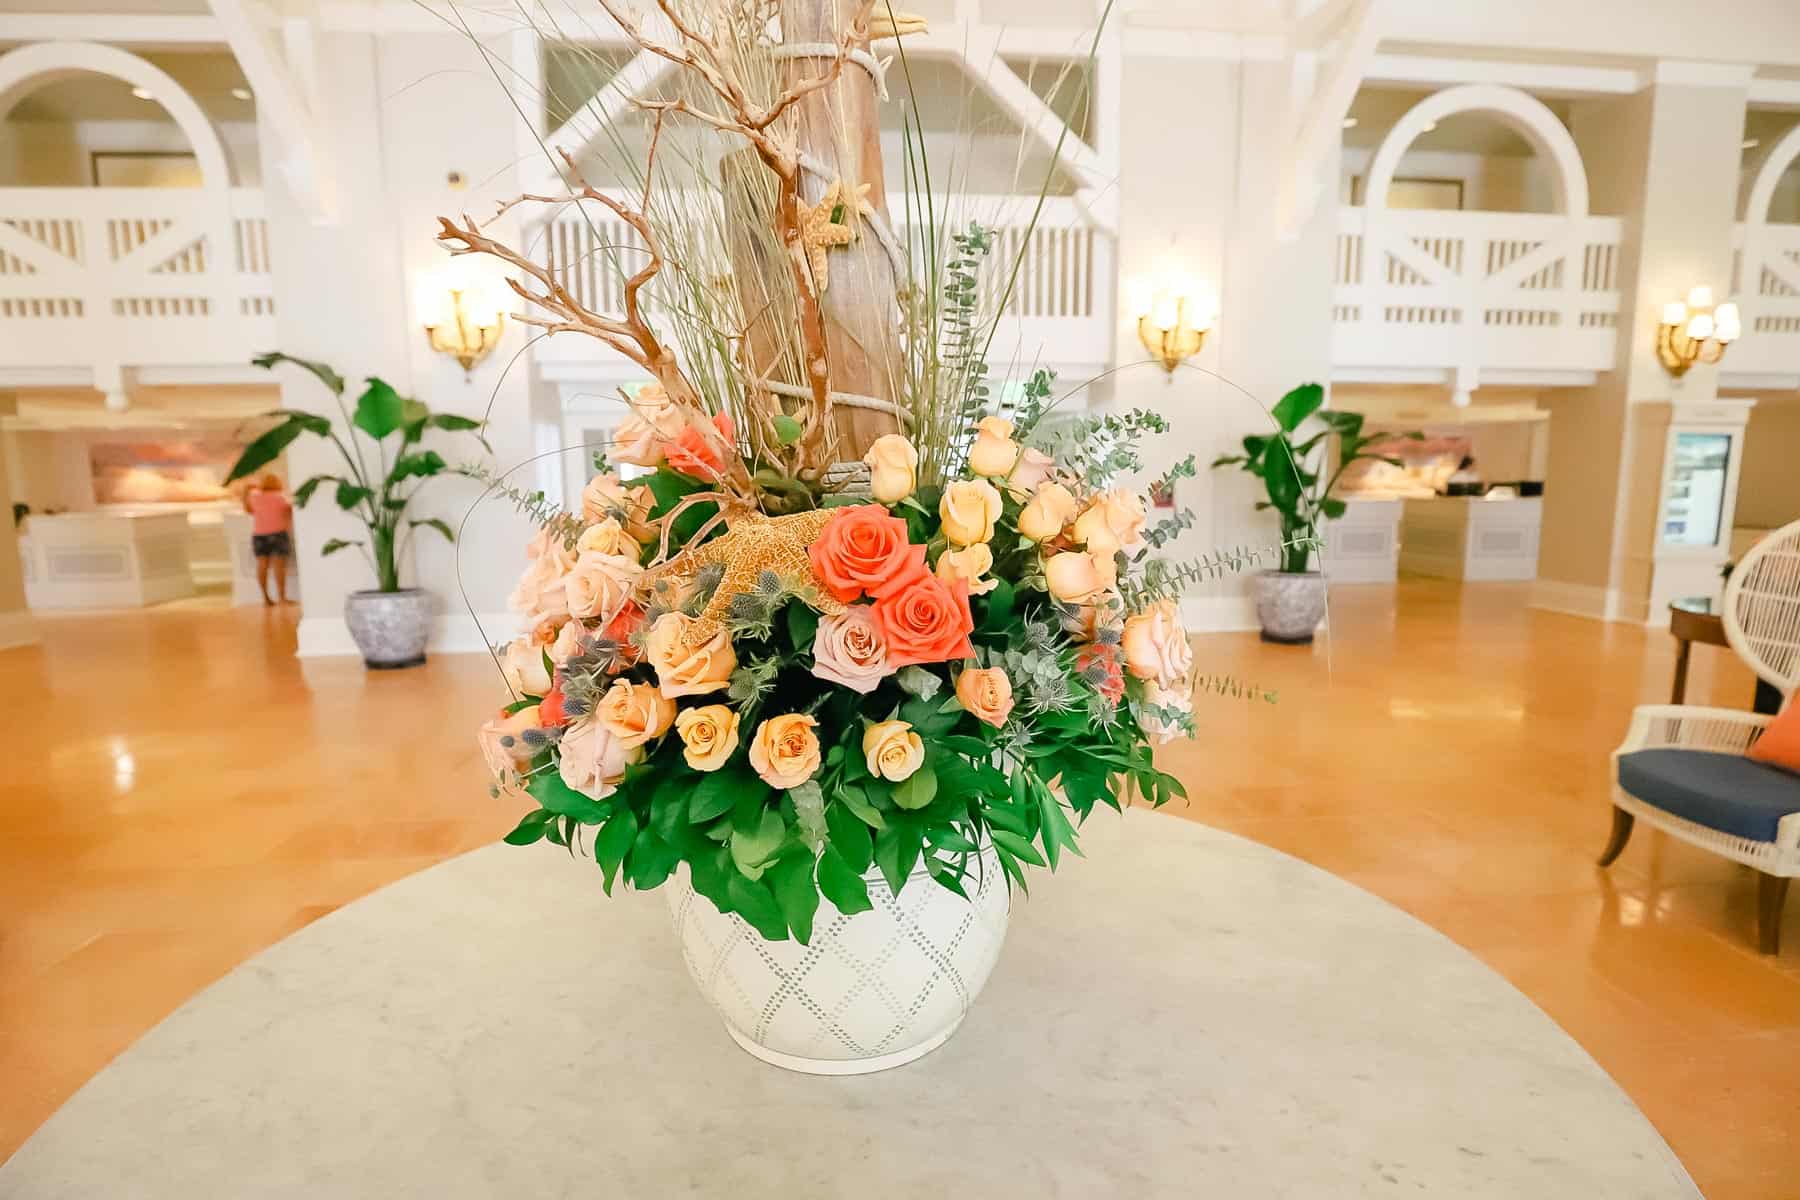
<point x="375" y="494"/>
<point x="1100" y="448"/>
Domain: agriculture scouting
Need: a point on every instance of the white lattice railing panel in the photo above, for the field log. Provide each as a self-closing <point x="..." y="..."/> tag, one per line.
<point x="1766" y="284"/>
<point x="151" y="276"/>
<point x="1060" y="310"/>
<point x="1519" y="291"/>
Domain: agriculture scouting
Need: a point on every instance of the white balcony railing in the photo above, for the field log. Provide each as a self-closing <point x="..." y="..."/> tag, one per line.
<point x="1060" y="312"/>
<point x="1474" y="291"/>
<point x="105" y="278"/>
<point x="1765" y="281"/>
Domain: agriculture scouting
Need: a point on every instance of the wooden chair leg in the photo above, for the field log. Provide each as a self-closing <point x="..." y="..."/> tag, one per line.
<point x="1621" y="833"/>
<point x="1771" y="895"/>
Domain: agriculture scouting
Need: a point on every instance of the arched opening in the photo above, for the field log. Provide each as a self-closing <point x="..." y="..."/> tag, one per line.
<point x="1469" y="161"/>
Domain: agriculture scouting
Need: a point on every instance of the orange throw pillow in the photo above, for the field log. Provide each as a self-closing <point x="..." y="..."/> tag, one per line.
<point x="1779" y="745"/>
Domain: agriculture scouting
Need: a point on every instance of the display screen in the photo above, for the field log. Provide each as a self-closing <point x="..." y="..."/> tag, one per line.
<point x="1695" y="504"/>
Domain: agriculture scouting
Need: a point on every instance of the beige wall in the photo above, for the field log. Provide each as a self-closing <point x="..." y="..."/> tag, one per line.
<point x="1768" y="483"/>
<point x="15" y="624"/>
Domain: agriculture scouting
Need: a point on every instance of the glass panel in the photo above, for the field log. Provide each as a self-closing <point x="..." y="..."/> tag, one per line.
<point x="1695" y="504"/>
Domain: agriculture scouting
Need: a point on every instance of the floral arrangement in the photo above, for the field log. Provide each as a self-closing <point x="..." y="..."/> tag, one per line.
<point x="897" y="679"/>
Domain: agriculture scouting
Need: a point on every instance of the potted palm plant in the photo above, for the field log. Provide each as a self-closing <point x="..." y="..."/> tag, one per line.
<point x="389" y="623"/>
<point x="1290" y="602"/>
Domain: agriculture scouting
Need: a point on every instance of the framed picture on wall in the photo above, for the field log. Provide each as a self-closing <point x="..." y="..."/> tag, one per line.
<point x="1415" y="192"/>
<point x="145" y="168"/>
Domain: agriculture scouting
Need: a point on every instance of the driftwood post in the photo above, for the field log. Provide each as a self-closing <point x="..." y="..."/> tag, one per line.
<point x="839" y="128"/>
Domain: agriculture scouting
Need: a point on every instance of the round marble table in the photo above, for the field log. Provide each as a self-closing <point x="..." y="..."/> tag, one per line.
<point x="1181" y="1013"/>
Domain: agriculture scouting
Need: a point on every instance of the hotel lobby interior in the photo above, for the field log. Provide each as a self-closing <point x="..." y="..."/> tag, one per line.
<point x="1186" y="595"/>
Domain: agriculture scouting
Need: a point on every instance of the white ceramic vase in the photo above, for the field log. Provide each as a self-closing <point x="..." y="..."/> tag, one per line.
<point x="872" y="991"/>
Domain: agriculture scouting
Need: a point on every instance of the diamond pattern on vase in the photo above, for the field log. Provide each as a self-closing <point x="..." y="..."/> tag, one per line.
<point x="873" y="984"/>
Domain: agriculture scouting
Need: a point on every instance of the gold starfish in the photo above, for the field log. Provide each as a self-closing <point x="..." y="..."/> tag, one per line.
<point x="819" y="232"/>
<point x="751" y="545"/>
<point x="892" y="24"/>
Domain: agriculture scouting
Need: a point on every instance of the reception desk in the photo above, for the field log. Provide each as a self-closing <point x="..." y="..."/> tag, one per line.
<point x="105" y="560"/>
<point x="1468" y="537"/>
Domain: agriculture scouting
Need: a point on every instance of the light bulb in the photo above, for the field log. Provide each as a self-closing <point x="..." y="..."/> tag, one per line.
<point x="1700" y="297"/>
<point x="1166" y="313"/>
<point x="1700" y="326"/>
<point x="1727" y="326"/>
<point x="432" y="300"/>
<point x="1139" y="298"/>
<point x="1674" y="313"/>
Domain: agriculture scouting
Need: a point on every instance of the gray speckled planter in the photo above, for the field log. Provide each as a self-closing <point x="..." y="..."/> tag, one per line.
<point x="389" y="628"/>
<point x="1290" y="606"/>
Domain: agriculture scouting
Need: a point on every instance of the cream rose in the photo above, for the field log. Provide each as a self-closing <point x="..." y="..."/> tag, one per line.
<point x="848" y="649"/>
<point x="604" y="496"/>
<point x="1116" y="513"/>
<point x="1073" y="577"/>
<point x="593" y="761"/>
<point x="607" y="536"/>
<point x="522" y="662"/>
<point x="1049" y="509"/>
<point x="541" y="589"/>
<point x="503" y="745"/>
<point x="600" y="584"/>
<point x="994" y="453"/>
<point x="683" y="670"/>
<point x="969" y="565"/>
<point x="1032" y="469"/>
<point x="1161" y="730"/>
<point x="1156" y="646"/>
<point x="985" y="694"/>
<point x="785" y="750"/>
<point x="892" y="750"/>
<point x="636" y="442"/>
<point x="969" y="509"/>
<point x="634" y="713"/>
<point x="709" y="736"/>
<point x="893" y="468"/>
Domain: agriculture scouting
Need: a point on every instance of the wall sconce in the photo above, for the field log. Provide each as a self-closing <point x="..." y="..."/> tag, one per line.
<point x="1695" y="330"/>
<point x="1172" y="321"/>
<point x="462" y="320"/>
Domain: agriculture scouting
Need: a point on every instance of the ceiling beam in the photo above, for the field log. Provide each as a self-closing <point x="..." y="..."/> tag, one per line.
<point x="140" y="30"/>
<point x="283" y="103"/>
<point x="1320" y="123"/>
<point x="1433" y="71"/>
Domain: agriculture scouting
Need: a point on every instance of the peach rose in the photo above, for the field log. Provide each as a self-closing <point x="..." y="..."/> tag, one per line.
<point x="892" y="750"/>
<point x="986" y="694"/>
<point x="699" y="451"/>
<point x="634" y="713"/>
<point x="1117" y="513"/>
<point x="503" y="745"/>
<point x="593" y="761"/>
<point x="864" y="549"/>
<point x="994" y="453"/>
<point x="969" y="565"/>
<point x="604" y="496"/>
<point x="1074" y="577"/>
<point x="848" y="649"/>
<point x="1099" y="665"/>
<point x="785" y="750"/>
<point x="568" y="643"/>
<point x="600" y="584"/>
<point x="1156" y="646"/>
<point x="682" y="670"/>
<point x="893" y="466"/>
<point x="607" y="536"/>
<point x="522" y="662"/>
<point x="1032" y="469"/>
<point x="1162" y="730"/>
<point x="541" y="589"/>
<point x="969" y="509"/>
<point x="709" y="736"/>
<point x="636" y="442"/>
<point x="1049" y="509"/>
<point x="926" y="621"/>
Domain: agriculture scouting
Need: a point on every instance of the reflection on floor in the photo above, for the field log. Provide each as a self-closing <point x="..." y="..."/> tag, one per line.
<point x="182" y="792"/>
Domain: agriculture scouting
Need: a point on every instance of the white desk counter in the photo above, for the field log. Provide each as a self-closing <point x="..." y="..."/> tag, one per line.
<point x="1468" y="537"/>
<point x="105" y="560"/>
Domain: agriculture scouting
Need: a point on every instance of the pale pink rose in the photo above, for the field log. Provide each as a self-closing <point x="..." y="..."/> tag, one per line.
<point x="849" y="649"/>
<point x="1032" y="469"/>
<point x="1165" y="731"/>
<point x="522" y="662"/>
<point x="502" y="741"/>
<point x="684" y="669"/>
<point x="604" y="496"/>
<point x="636" y="442"/>
<point x="540" y="587"/>
<point x="568" y="642"/>
<point x="593" y="759"/>
<point x="1156" y="646"/>
<point x="600" y="584"/>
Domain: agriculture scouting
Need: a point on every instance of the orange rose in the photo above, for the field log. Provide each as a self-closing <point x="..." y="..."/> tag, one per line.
<point x="683" y="670"/>
<point x="985" y="694"/>
<point x="926" y="621"/>
<point x="700" y="452"/>
<point x="864" y="548"/>
<point x="785" y="750"/>
<point x="634" y="713"/>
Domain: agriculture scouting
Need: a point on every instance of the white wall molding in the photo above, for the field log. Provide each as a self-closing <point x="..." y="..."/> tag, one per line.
<point x="1219" y="614"/>
<point x="1436" y="70"/>
<point x="17" y="629"/>
<point x="451" y="633"/>
<point x="1682" y="73"/>
<point x="1573" y="599"/>
<point x="146" y="31"/>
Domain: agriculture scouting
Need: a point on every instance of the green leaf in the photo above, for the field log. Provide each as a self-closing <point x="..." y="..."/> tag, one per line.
<point x="1347" y="425"/>
<point x="787" y="432"/>
<point x="946" y="877"/>
<point x="548" y="789"/>
<point x="944" y="837"/>
<point x="897" y="852"/>
<point x="1334" y="508"/>
<point x="336" y="544"/>
<point x="715" y="795"/>
<point x="452" y="422"/>
<point x="424" y="464"/>
<point x="265" y="449"/>
<point x="1297" y="405"/>
<point x="379" y="410"/>
<point x="669" y="487"/>
<point x="917" y="681"/>
<point x="791" y="879"/>
<point x="918" y="789"/>
<point x="530" y="828"/>
<point x="613" y="842"/>
<point x="435" y="523"/>
<point x="1058" y="835"/>
<point x="843" y="886"/>
<point x="652" y="860"/>
<point x="850" y="837"/>
<point x="1017" y="846"/>
<point x="305" y="491"/>
<point x="311" y="422"/>
<point x="751" y="850"/>
<point x="857" y="801"/>
<point x="999" y="607"/>
<point x="802" y="624"/>
<point x="326" y="376"/>
<point x="349" y="495"/>
<point x="752" y="901"/>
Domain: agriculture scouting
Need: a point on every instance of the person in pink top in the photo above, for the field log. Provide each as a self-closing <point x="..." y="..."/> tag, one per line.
<point x="271" y="533"/>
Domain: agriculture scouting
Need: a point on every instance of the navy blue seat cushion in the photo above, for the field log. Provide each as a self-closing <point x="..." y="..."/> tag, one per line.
<point x="1726" y="792"/>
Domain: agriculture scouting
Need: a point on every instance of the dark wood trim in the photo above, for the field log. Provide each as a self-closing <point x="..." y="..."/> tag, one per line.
<point x="1621" y="833"/>
<point x="1771" y="896"/>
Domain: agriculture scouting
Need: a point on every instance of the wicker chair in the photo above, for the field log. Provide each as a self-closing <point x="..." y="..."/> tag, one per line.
<point x="1682" y="767"/>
